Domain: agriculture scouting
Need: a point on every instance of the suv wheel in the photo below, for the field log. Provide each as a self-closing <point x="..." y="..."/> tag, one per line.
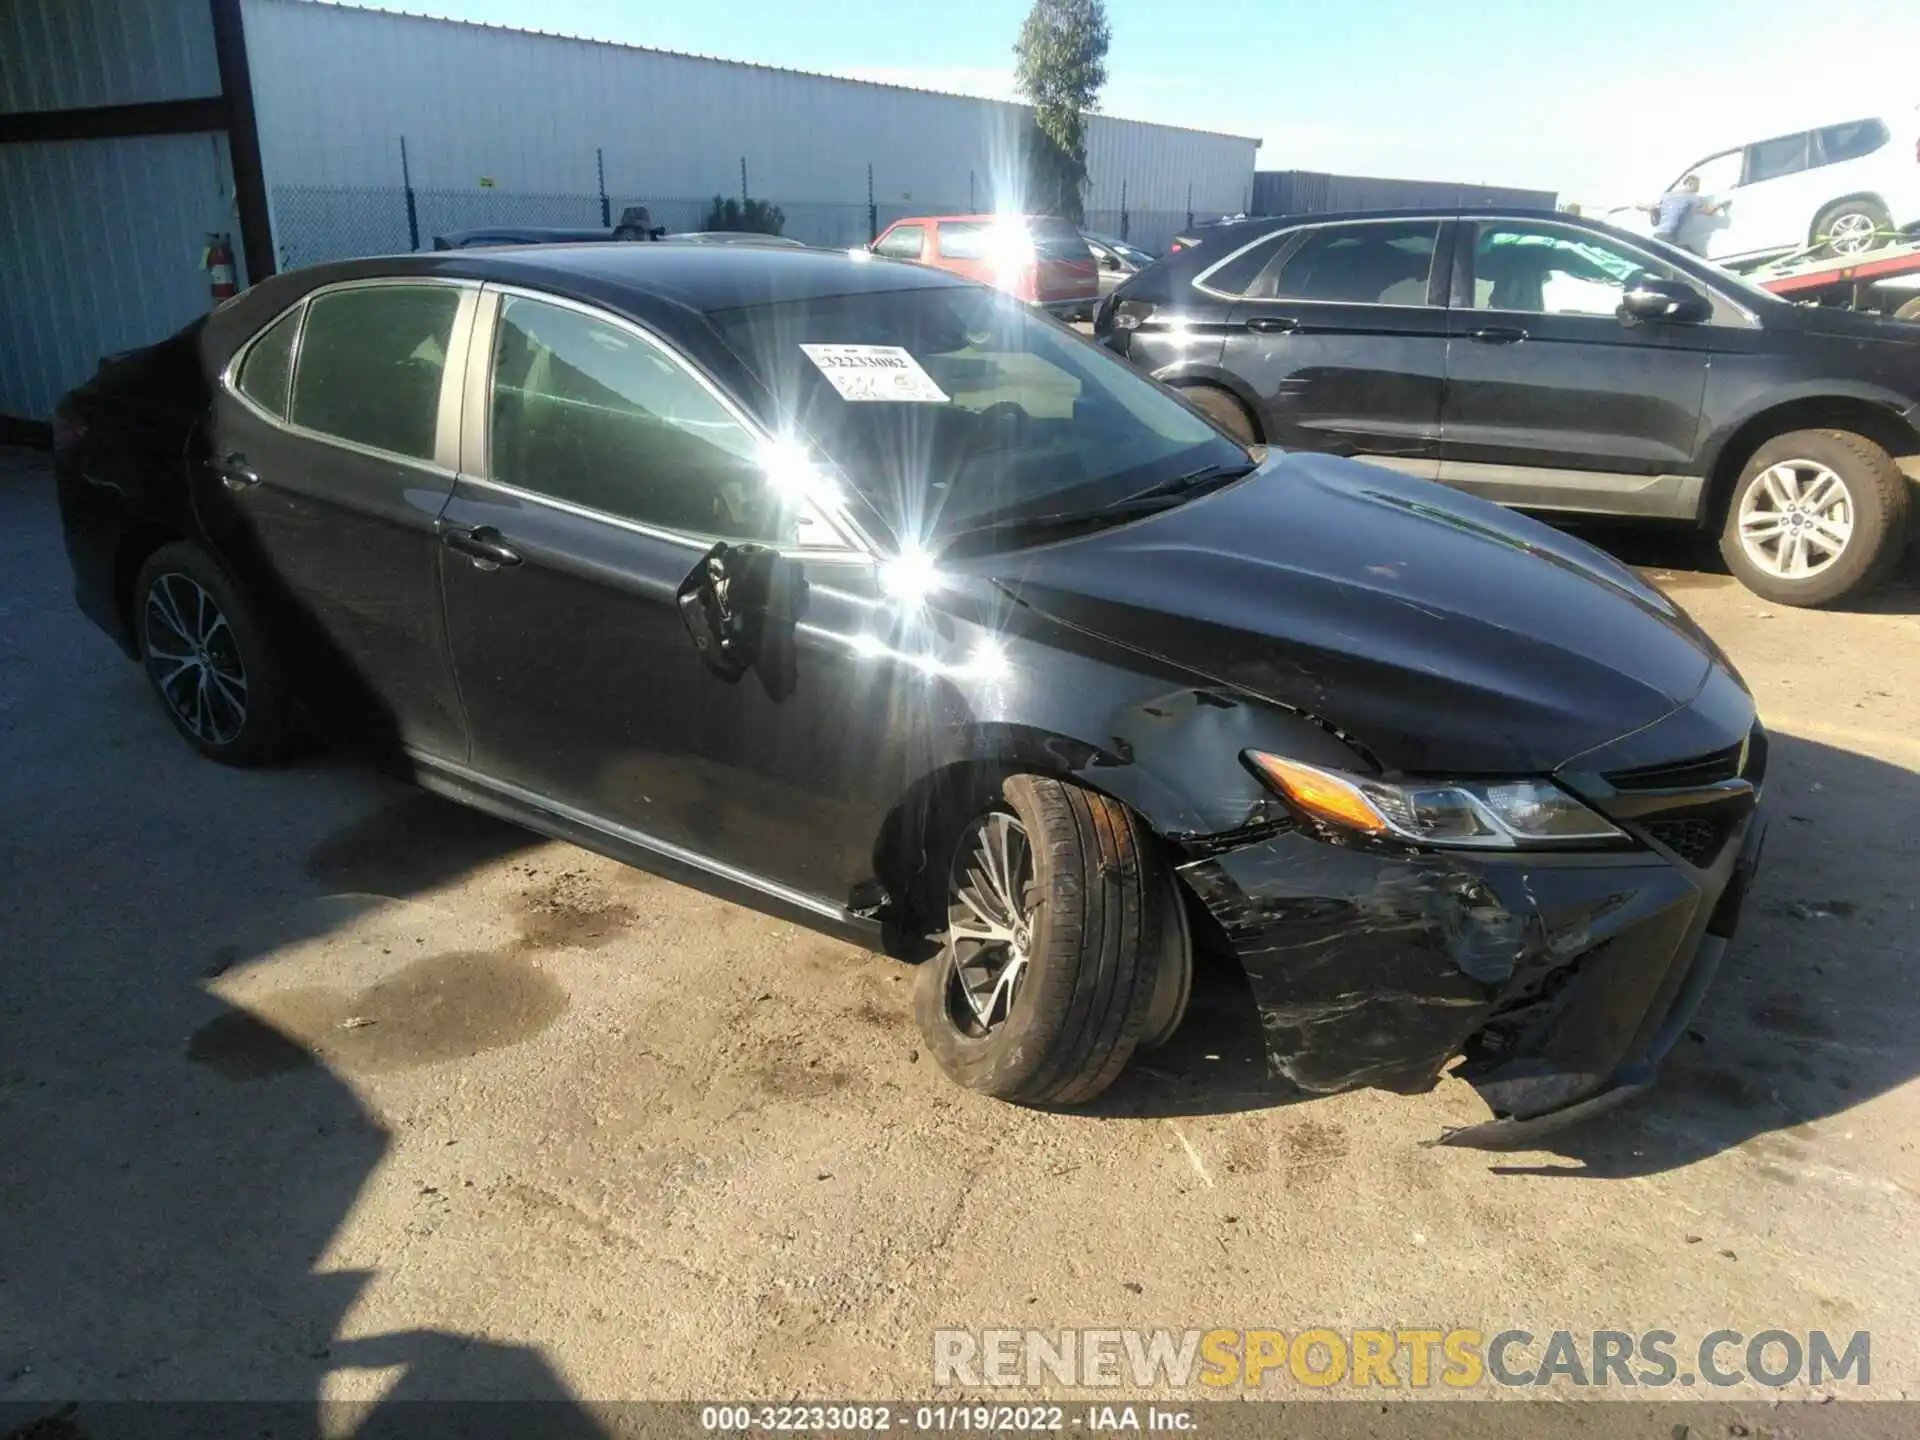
<point x="1816" y="516"/>
<point x="206" y="658"/>
<point x="1223" y="409"/>
<point x="1048" y="975"/>
<point x="1852" y="226"/>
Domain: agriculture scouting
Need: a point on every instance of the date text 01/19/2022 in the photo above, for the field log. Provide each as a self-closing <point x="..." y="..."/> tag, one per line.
<point x="938" y="1419"/>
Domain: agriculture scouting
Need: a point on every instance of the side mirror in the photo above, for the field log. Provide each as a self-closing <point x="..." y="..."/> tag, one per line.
<point x="1108" y="262"/>
<point x="740" y="605"/>
<point x="1648" y="297"/>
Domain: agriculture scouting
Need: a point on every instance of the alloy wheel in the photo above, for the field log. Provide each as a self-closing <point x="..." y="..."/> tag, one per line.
<point x="194" y="659"/>
<point x="1796" y="518"/>
<point x="1852" y="232"/>
<point x="990" y="922"/>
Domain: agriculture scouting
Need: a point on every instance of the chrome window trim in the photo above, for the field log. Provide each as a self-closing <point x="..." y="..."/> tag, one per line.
<point x="445" y="459"/>
<point x="476" y="462"/>
<point x="1576" y="233"/>
<point x="1435" y="220"/>
<point x="230" y="377"/>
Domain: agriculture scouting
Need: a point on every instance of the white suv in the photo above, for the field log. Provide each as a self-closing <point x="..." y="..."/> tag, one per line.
<point x="1850" y="183"/>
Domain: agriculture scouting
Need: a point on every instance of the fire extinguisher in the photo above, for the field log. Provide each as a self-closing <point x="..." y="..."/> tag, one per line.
<point x="218" y="262"/>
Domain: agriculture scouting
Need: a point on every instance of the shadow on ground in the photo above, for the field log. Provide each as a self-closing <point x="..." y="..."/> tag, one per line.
<point x="1678" y="560"/>
<point x="176" y="1168"/>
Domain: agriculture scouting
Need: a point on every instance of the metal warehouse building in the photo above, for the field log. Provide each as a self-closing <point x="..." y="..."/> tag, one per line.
<point x="131" y="130"/>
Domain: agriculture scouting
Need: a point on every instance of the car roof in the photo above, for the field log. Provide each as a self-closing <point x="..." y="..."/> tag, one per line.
<point x="704" y="278"/>
<point x="523" y="235"/>
<point x="987" y="219"/>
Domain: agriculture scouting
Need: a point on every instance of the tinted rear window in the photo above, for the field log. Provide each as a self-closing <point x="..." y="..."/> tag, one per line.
<point x="1239" y="273"/>
<point x="963" y="239"/>
<point x="1371" y="264"/>
<point x="370" y="364"/>
<point x="1851" y="141"/>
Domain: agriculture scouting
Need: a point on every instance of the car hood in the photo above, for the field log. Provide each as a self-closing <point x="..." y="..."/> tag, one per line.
<point x="1440" y="632"/>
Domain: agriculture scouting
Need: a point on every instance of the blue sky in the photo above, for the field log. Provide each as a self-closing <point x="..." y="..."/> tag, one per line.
<point x="1602" y="102"/>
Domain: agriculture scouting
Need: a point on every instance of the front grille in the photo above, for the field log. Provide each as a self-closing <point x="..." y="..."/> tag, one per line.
<point x="1695" y="838"/>
<point x="1681" y="774"/>
<point x="1746" y="761"/>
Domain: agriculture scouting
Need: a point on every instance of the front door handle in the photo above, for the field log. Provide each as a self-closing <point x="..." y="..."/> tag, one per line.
<point x="482" y="545"/>
<point x="1497" y="335"/>
<point x="234" y="472"/>
<point x="1272" y="324"/>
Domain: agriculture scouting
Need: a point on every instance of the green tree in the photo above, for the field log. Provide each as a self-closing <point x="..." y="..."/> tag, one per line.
<point x="1060" y="65"/>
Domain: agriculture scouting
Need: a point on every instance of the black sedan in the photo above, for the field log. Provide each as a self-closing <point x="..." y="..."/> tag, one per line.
<point x="865" y="596"/>
<point x="1557" y="365"/>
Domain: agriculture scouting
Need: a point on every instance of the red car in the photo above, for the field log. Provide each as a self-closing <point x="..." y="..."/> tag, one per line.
<point x="1040" y="259"/>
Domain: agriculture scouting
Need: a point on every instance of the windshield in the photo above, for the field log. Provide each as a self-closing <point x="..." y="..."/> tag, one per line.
<point x="953" y="407"/>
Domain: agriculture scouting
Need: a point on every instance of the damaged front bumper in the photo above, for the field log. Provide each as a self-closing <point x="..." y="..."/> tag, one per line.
<point x="1561" y="979"/>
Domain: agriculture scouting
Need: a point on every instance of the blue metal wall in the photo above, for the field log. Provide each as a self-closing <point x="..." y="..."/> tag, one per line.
<point x="100" y="240"/>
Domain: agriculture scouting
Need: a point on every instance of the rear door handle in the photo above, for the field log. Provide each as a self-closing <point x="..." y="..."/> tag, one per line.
<point x="1497" y="335"/>
<point x="234" y="472"/>
<point x="482" y="545"/>
<point x="1272" y="324"/>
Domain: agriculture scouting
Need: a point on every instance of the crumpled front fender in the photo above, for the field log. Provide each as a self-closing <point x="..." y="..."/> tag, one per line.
<point x="1376" y="969"/>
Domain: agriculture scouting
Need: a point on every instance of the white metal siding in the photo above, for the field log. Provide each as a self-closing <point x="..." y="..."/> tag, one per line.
<point x="102" y="253"/>
<point x="66" y="54"/>
<point x="335" y="88"/>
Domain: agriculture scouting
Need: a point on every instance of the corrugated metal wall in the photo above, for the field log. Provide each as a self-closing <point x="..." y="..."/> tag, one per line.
<point x="63" y="54"/>
<point x="100" y="240"/>
<point x="337" y="87"/>
<point x="103" y="255"/>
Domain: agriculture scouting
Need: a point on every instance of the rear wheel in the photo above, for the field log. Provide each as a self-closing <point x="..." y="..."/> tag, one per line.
<point x="1816" y="516"/>
<point x="1049" y="973"/>
<point x="207" y="658"/>
<point x="1224" y="409"/>
<point x="1852" y="227"/>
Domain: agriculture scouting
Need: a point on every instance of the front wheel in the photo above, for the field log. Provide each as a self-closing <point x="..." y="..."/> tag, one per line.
<point x="1049" y="974"/>
<point x="1815" y="517"/>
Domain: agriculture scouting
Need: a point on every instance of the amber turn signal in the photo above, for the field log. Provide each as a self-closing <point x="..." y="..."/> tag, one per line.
<point x="1320" y="793"/>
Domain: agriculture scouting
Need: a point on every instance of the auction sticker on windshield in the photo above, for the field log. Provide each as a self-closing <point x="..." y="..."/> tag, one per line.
<point x="874" y="372"/>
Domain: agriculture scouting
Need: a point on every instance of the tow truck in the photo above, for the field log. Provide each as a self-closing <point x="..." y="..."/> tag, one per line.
<point x="1885" y="281"/>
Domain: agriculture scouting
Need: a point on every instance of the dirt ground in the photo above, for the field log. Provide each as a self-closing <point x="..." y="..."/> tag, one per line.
<point x="312" y="1085"/>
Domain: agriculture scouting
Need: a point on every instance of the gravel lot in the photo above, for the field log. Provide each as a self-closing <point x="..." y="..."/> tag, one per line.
<point x="311" y="1084"/>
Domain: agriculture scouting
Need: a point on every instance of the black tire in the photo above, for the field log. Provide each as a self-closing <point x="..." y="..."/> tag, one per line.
<point x="1876" y="493"/>
<point x="1224" y="409"/>
<point x="1909" y="311"/>
<point x="230" y="658"/>
<point x="1853" y="212"/>
<point x="1097" y="899"/>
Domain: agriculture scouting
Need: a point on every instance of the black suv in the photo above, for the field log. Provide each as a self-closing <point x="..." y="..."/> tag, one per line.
<point x="1557" y="365"/>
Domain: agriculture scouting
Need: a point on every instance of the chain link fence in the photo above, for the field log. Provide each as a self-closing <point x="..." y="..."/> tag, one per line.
<point x="317" y="223"/>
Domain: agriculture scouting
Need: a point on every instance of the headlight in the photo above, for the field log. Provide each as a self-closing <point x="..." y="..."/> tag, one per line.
<point x="1495" y="815"/>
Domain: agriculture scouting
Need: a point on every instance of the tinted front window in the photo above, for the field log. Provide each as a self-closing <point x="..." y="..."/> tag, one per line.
<point x="268" y="368"/>
<point x="1850" y="141"/>
<point x="591" y="413"/>
<point x="902" y="243"/>
<point x="371" y="359"/>
<point x="1541" y="269"/>
<point x="1014" y="416"/>
<point x="1771" y="159"/>
<point x="1385" y="264"/>
<point x="1238" y="273"/>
